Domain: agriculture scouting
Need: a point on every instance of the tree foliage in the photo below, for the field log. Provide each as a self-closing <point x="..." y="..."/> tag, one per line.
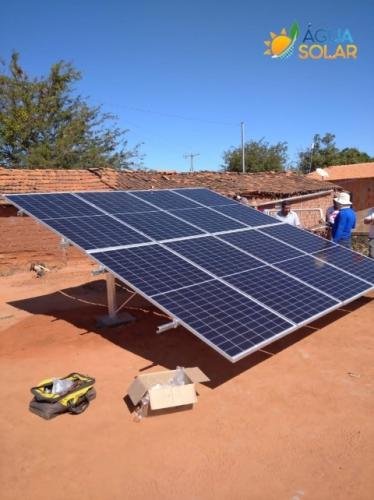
<point x="324" y="153"/>
<point x="259" y="156"/>
<point x="44" y="124"/>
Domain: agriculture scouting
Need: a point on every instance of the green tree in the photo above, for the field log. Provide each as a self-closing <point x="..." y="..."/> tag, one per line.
<point x="259" y="156"/>
<point x="44" y="124"/>
<point x="348" y="156"/>
<point x="324" y="153"/>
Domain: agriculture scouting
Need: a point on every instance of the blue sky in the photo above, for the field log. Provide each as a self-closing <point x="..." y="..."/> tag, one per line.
<point x="183" y="75"/>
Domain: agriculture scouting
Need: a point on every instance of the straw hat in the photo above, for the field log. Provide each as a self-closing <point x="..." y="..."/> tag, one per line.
<point x="343" y="199"/>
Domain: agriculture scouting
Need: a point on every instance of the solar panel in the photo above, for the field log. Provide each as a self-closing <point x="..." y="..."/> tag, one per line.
<point x="329" y="279"/>
<point x="159" y="225"/>
<point x="205" y="197"/>
<point x="299" y="238"/>
<point x="237" y="291"/>
<point x="208" y="219"/>
<point x="116" y="202"/>
<point x="261" y="246"/>
<point x="96" y="232"/>
<point x="151" y="268"/>
<point x="215" y="255"/>
<point x="166" y="200"/>
<point x="247" y="215"/>
<point x="285" y="295"/>
<point x="56" y="206"/>
<point x="228" y="321"/>
<point x="349" y="261"/>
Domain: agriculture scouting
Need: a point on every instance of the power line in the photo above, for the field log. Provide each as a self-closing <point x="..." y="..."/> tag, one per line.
<point x="169" y="115"/>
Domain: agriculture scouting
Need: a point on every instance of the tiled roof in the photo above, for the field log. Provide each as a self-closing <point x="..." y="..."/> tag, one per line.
<point x="265" y="183"/>
<point x="19" y="180"/>
<point x="340" y="172"/>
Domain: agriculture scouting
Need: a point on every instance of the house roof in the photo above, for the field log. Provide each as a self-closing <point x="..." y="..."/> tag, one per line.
<point x="20" y="180"/>
<point x="228" y="183"/>
<point x="341" y="172"/>
<point x="259" y="184"/>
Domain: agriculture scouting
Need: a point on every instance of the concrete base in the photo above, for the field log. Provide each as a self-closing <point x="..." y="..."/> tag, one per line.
<point x="119" y="319"/>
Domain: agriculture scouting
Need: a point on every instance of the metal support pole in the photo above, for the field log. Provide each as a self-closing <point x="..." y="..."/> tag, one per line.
<point x="243" y="155"/>
<point x="64" y="245"/>
<point x="111" y="295"/>
<point x="311" y="157"/>
<point x="167" y="326"/>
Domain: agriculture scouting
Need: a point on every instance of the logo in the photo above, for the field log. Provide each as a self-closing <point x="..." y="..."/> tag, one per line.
<point x="319" y="43"/>
<point x="282" y="45"/>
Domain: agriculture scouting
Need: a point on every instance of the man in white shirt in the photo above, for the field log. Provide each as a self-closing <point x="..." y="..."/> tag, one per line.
<point x="369" y="219"/>
<point x="288" y="215"/>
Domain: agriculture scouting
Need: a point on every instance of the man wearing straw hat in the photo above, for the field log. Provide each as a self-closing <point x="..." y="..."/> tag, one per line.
<point x="344" y="222"/>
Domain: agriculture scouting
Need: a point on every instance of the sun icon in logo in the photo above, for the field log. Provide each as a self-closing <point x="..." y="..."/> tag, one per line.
<point x="281" y="46"/>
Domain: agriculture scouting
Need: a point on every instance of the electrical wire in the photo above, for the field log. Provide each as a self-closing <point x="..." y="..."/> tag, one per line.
<point x="132" y="308"/>
<point x="171" y="115"/>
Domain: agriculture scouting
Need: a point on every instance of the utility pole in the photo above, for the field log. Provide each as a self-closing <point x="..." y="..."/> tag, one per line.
<point x="311" y="156"/>
<point x="243" y="155"/>
<point x="191" y="156"/>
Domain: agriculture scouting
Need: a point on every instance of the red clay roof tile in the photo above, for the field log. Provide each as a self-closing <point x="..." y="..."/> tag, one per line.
<point x="274" y="184"/>
<point x="340" y="172"/>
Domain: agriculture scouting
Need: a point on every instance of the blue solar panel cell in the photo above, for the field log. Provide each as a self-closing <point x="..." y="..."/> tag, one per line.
<point x="206" y="197"/>
<point x="116" y="202"/>
<point x="96" y="232"/>
<point x="159" y="225"/>
<point x="261" y="246"/>
<point x="285" y="295"/>
<point x="229" y="321"/>
<point x="208" y="220"/>
<point x="330" y="280"/>
<point x="215" y="255"/>
<point x="151" y="268"/>
<point x="53" y="206"/>
<point x="349" y="261"/>
<point x="247" y="215"/>
<point x="297" y="237"/>
<point x="166" y="200"/>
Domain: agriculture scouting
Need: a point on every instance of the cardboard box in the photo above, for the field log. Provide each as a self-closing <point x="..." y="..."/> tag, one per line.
<point x="161" y="394"/>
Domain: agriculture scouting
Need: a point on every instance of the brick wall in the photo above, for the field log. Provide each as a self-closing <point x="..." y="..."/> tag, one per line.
<point x="24" y="241"/>
<point x="309" y="215"/>
<point x="362" y="192"/>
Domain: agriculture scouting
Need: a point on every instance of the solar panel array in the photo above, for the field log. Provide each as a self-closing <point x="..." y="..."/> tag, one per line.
<point x="235" y="277"/>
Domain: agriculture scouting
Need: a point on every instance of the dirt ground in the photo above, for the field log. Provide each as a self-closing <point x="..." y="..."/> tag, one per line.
<point x="294" y="422"/>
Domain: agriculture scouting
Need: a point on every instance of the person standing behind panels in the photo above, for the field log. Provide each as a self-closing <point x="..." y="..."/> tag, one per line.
<point x="369" y="219"/>
<point x="288" y="215"/>
<point x="344" y="222"/>
<point x="331" y="214"/>
<point x="241" y="199"/>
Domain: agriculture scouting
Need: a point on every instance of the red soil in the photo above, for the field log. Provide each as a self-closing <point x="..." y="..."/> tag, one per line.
<point x="293" y="423"/>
